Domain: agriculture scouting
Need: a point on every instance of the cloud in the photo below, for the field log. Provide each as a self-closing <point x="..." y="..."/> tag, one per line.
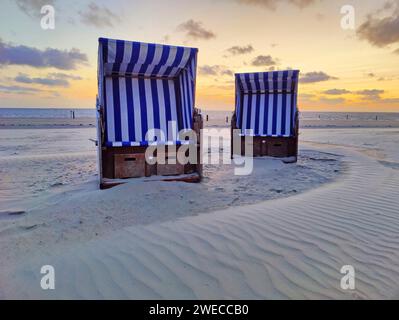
<point x="98" y="16"/>
<point x="336" y="92"/>
<point x="390" y="100"/>
<point x="23" y="55"/>
<point x="64" y="76"/>
<point x="23" y="78"/>
<point x="32" y="7"/>
<point x="381" y="31"/>
<point x="312" y="77"/>
<point x="396" y="51"/>
<point x="52" y="79"/>
<point x="302" y="3"/>
<point x="263" y="61"/>
<point x="227" y="72"/>
<point x="208" y="70"/>
<point x="375" y="95"/>
<point x="18" y="89"/>
<point x="272" y="4"/>
<point x="237" y="50"/>
<point x="332" y="101"/>
<point x="307" y="96"/>
<point x="370" y="94"/>
<point x="195" y="30"/>
<point x="216" y="70"/>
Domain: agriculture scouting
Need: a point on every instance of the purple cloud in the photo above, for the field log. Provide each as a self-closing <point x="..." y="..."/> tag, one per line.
<point x="215" y="70"/>
<point x="11" y="54"/>
<point x="381" y="31"/>
<point x="370" y="94"/>
<point x="18" y="89"/>
<point x="316" y="76"/>
<point x="239" y="50"/>
<point x="52" y="79"/>
<point x="263" y="61"/>
<point x="336" y="92"/>
<point x="32" y="7"/>
<point x="98" y="16"/>
<point x="195" y="30"/>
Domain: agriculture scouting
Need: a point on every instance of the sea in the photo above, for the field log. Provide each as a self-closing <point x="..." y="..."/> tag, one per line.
<point x="46" y="113"/>
<point x="91" y="113"/>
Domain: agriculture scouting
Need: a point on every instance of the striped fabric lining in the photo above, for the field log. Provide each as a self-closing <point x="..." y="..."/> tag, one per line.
<point x="146" y="144"/>
<point x="266" y="103"/>
<point x="147" y="102"/>
<point x="146" y="59"/>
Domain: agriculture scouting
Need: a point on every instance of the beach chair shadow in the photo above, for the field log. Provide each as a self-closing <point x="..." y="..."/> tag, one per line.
<point x="266" y="110"/>
<point x="146" y="98"/>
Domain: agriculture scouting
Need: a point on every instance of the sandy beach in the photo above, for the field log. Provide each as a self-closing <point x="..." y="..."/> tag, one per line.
<point x="283" y="232"/>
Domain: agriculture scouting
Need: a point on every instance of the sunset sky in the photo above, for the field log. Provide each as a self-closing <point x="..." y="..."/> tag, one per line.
<point x="341" y="69"/>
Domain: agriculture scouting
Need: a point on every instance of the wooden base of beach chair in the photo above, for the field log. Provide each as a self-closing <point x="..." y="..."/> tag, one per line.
<point x="129" y="162"/>
<point x="271" y="147"/>
<point x="280" y="147"/>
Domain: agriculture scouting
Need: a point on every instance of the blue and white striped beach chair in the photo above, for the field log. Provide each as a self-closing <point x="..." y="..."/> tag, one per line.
<point x="266" y="109"/>
<point x="146" y="96"/>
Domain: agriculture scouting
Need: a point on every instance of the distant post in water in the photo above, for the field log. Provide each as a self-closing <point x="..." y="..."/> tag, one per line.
<point x="207" y="118"/>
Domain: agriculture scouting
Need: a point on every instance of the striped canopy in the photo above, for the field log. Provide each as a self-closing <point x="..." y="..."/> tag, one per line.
<point x="266" y="103"/>
<point x="147" y="91"/>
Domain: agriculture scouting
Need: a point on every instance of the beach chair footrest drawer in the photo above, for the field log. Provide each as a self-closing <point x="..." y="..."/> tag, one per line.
<point x="129" y="165"/>
<point x="277" y="148"/>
